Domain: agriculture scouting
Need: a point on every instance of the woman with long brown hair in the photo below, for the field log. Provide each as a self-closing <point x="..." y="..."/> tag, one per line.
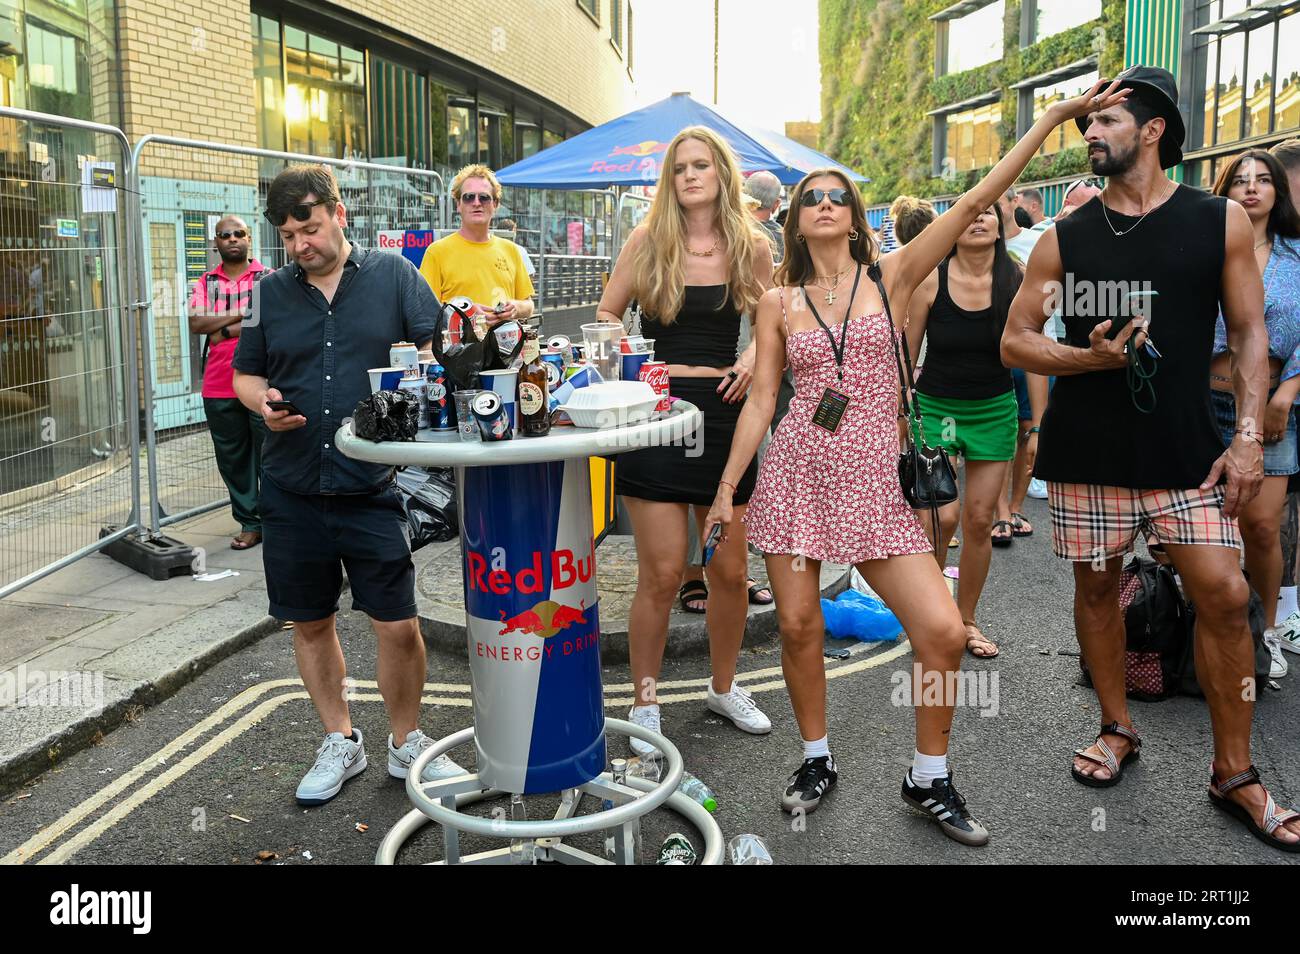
<point x="1257" y="180"/>
<point x="695" y="265"/>
<point x="829" y="488"/>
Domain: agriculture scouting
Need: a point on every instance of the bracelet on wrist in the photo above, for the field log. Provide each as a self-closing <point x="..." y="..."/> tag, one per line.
<point x="727" y="483"/>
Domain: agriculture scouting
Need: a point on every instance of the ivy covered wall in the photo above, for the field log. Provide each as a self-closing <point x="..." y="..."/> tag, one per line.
<point x="878" y="83"/>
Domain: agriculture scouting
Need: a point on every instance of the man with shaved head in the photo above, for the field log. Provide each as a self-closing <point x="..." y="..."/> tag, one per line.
<point x="221" y="299"/>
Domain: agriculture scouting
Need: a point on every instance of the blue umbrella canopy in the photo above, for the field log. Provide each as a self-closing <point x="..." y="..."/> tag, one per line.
<point x="628" y="150"/>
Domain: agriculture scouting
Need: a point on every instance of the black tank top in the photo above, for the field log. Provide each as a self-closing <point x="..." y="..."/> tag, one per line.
<point x="962" y="357"/>
<point x="1092" y="433"/>
<point x="703" y="333"/>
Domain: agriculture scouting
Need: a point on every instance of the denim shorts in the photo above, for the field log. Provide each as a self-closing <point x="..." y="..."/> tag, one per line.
<point x="1279" y="458"/>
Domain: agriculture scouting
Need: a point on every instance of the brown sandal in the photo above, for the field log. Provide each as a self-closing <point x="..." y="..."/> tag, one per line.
<point x="978" y="638"/>
<point x="1273" y="819"/>
<point x="1108" y="760"/>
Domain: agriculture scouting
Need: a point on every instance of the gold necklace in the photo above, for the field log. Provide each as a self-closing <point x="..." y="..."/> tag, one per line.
<point x="830" y="289"/>
<point x="712" y="248"/>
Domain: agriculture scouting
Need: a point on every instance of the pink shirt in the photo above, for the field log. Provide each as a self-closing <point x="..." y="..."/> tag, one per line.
<point x="216" y="294"/>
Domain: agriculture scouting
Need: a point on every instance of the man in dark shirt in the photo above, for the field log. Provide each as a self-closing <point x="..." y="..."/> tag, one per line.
<point x="1122" y="460"/>
<point x="317" y="326"/>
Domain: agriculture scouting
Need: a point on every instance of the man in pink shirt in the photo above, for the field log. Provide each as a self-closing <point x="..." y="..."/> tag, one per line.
<point x="221" y="299"/>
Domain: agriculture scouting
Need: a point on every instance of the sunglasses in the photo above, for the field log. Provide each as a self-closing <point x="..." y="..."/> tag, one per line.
<point x="482" y="198"/>
<point x="815" y="196"/>
<point x="1080" y="183"/>
<point x="233" y="233"/>
<point x="301" y="212"/>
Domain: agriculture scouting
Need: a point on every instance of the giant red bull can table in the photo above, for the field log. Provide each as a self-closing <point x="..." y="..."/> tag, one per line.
<point x="532" y="610"/>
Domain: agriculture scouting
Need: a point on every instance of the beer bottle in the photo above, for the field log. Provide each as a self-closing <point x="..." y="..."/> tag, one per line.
<point x="534" y="408"/>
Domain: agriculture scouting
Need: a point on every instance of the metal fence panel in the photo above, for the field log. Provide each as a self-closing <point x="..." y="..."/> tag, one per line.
<point x="66" y="445"/>
<point x="185" y="188"/>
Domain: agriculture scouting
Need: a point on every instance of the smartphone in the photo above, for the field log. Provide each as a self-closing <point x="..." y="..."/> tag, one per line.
<point x="1139" y="309"/>
<point x="711" y="544"/>
<point x="285" y="406"/>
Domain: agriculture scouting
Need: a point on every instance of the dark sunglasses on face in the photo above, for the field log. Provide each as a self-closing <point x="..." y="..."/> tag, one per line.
<point x="301" y="212"/>
<point x="233" y="233"/>
<point x="483" y="198"/>
<point x="815" y="196"/>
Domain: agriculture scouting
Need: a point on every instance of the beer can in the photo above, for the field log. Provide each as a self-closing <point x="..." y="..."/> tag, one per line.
<point x="493" y="420"/>
<point x="562" y="345"/>
<point x="458" y="311"/>
<point x="405" y="355"/>
<point x="508" y="334"/>
<point x="655" y="373"/>
<point x="442" y="408"/>
<point x="630" y="365"/>
<point x="554" y="368"/>
<point x="416" y="388"/>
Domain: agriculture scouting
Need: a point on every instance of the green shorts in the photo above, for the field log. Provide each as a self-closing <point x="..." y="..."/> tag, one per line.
<point x="984" y="429"/>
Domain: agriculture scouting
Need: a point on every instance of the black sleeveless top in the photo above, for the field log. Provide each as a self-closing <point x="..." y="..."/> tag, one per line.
<point x="703" y="333"/>
<point x="1092" y="433"/>
<point x="962" y="357"/>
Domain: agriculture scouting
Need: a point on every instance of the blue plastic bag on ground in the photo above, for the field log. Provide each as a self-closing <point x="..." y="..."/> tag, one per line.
<point x="854" y="615"/>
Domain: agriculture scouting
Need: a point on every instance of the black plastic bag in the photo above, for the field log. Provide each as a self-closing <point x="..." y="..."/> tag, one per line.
<point x="387" y="416"/>
<point x="429" y="497"/>
<point x="464" y="360"/>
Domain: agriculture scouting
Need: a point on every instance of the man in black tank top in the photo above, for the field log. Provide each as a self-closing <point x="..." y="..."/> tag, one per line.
<point x="1128" y="441"/>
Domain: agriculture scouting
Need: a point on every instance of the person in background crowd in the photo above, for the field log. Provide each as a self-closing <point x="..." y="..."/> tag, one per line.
<point x="509" y="225"/>
<point x="1288" y="611"/>
<point x="1020" y="241"/>
<point x="765" y="189"/>
<point x="1031" y="200"/>
<point x="1119" y="461"/>
<point x="318" y="325"/>
<point x="1257" y="181"/>
<point x="220" y="301"/>
<point x="473" y="262"/>
<point x="696" y="264"/>
<point x="910" y="215"/>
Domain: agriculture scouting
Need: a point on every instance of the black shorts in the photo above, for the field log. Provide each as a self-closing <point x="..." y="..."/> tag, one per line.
<point x="308" y="540"/>
<point x="688" y="472"/>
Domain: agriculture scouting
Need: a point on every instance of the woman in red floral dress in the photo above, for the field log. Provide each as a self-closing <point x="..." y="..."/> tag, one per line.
<point x="829" y="488"/>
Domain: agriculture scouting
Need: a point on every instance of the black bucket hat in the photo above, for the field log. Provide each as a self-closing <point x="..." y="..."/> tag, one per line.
<point x="1156" y="88"/>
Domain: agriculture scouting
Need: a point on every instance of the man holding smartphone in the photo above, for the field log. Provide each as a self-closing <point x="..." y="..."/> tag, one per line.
<point x="1129" y="441"/>
<point x="317" y="326"/>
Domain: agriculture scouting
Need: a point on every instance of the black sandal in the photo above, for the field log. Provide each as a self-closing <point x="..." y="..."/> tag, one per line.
<point x="1114" y="765"/>
<point x="1018" y="523"/>
<point x="1003" y="541"/>
<point x="754" y="590"/>
<point x="1273" y="819"/>
<point x="693" y="590"/>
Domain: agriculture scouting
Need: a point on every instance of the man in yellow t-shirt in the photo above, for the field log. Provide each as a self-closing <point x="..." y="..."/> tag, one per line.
<point x="473" y="262"/>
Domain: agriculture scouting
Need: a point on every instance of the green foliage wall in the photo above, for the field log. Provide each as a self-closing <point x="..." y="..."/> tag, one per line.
<point x="878" y="83"/>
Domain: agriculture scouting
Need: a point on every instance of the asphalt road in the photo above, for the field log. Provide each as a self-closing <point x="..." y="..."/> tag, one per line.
<point x="208" y="776"/>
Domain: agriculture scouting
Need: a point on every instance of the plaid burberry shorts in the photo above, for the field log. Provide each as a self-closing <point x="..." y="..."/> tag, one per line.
<point x="1091" y="521"/>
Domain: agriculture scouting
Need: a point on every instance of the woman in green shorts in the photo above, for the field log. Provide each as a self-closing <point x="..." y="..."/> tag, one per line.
<point x="966" y="397"/>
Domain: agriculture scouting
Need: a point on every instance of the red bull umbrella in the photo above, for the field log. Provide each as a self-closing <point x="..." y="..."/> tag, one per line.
<point x="628" y="150"/>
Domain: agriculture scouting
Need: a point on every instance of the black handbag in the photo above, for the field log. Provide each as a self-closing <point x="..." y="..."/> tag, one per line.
<point x="926" y="473"/>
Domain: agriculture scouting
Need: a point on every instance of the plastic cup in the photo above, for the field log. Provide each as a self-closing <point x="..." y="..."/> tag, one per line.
<point x="504" y="383"/>
<point x="385" y="379"/>
<point x="465" y="422"/>
<point x="601" y="339"/>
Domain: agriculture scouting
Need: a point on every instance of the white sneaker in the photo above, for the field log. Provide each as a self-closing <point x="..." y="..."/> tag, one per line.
<point x="1288" y="633"/>
<point x="337" y="760"/>
<point x="1278" y="667"/>
<point x="1038" y="489"/>
<point x="738" y="706"/>
<point x="648" y="718"/>
<point x="401" y="759"/>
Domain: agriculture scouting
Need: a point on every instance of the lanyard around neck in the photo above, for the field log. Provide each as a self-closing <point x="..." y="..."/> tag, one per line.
<point x="844" y="325"/>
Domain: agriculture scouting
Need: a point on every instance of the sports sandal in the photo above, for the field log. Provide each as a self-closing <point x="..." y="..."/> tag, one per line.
<point x="758" y="595"/>
<point x="1019" y="523"/>
<point x="1003" y="539"/>
<point x="693" y="591"/>
<point x="1108" y="761"/>
<point x="1273" y="819"/>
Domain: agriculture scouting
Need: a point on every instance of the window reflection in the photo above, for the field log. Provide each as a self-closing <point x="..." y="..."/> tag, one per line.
<point x="976" y="38"/>
<point x="1066" y="135"/>
<point x="1259" y="87"/>
<point x="972" y="140"/>
<point x="1232" y="55"/>
<point x="462" y="145"/>
<point x="325" y="97"/>
<point x="1056" y="16"/>
<point x="1286" y="110"/>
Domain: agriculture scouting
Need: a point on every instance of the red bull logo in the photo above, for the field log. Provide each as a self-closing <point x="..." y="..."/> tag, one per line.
<point x="545" y="619"/>
<point x="565" y="570"/>
<point x="648" y="147"/>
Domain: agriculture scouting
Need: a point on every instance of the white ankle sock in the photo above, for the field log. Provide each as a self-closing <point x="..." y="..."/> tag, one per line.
<point x="817" y="748"/>
<point x="1286" y="604"/>
<point x="927" y="768"/>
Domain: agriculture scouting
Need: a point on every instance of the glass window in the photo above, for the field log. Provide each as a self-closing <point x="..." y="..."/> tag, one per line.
<point x="325" y="96"/>
<point x="1208" y="88"/>
<point x="1057" y="16"/>
<point x="1286" y="109"/>
<point x="489" y="139"/>
<point x="551" y="138"/>
<point x="1066" y="135"/>
<point x="462" y="136"/>
<point x="592" y="9"/>
<point x="616" y="22"/>
<point x="399" y="104"/>
<point x="971" y="140"/>
<point x="268" y="83"/>
<point x="1259" y="84"/>
<point x="12" y="80"/>
<point x="529" y="139"/>
<point x="1232" y="58"/>
<point x="975" y="39"/>
<point x="628" y="47"/>
<point x="58" y="74"/>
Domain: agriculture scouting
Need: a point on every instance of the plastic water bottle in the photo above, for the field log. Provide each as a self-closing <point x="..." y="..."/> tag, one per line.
<point x="748" y="850"/>
<point x="649" y="768"/>
<point x="677" y="850"/>
<point x="697" y="791"/>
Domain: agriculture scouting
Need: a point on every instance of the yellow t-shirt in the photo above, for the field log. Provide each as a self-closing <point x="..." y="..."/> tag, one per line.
<point x="487" y="272"/>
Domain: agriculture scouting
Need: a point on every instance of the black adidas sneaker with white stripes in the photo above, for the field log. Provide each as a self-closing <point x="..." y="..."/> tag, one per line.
<point x="813" y="779"/>
<point x="944" y="805"/>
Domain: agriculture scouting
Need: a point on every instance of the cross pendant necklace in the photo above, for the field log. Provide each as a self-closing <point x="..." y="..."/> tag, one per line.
<point x="830" y="297"/>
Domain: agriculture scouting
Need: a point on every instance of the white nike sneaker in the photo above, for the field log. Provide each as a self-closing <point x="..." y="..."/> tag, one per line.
<point x="1037" y="489"/>
<point x="738" y="706"/>
<point x="648" y="718"/>
<point x="1278" y="667"/>
<point x="1288" y="633"/>
<point x="401" y="759"/>
<point x="337" y="760"/>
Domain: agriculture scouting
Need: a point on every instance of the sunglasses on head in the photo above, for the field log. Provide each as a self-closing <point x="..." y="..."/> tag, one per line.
<point x="1080" y="183"/>
<point x="301" y="212"/>
<point x="813" y="197"/>
<point x="483" y="198"/>
<point x="232" y="233"/>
